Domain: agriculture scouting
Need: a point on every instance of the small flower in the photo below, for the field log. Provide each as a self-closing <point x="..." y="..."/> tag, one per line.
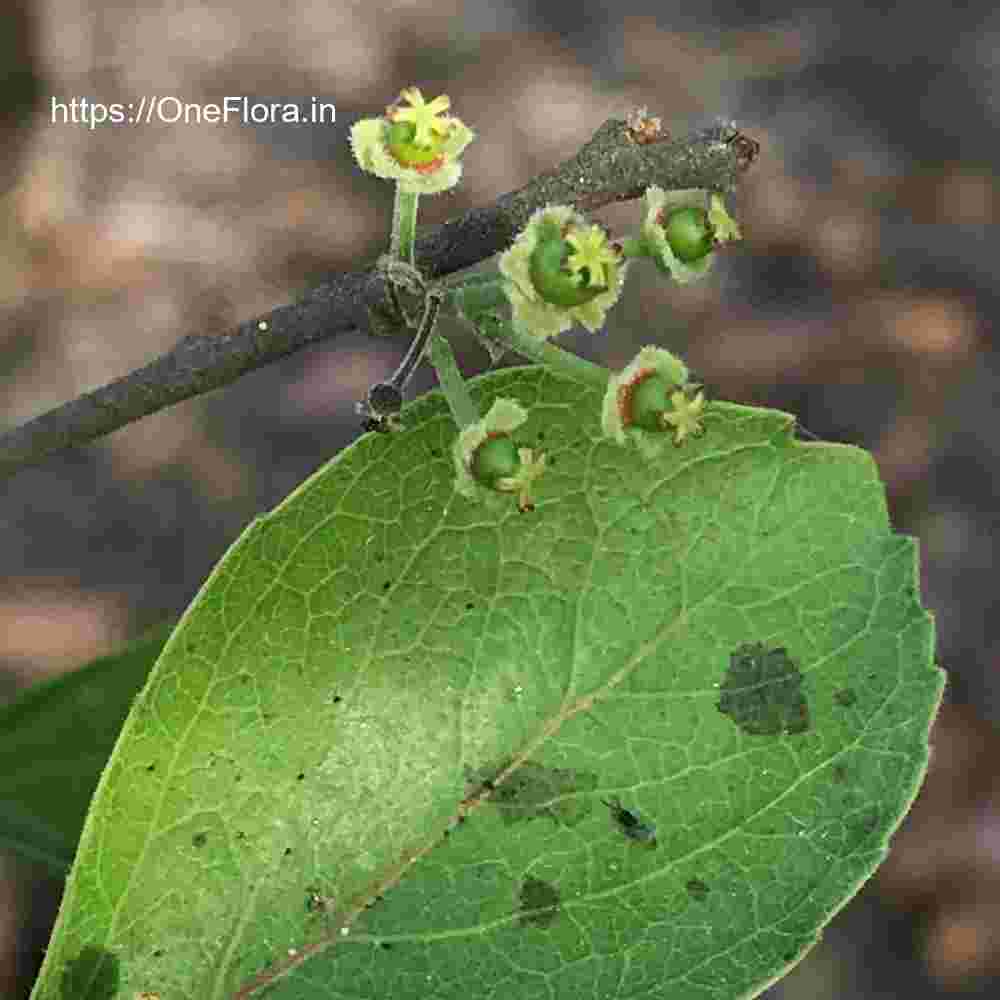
<point x="681" y="233"/>
<point x="419" y="146"/>
<point x="651" y="396"/>
<point x="486" y="456"/>
<point x="560" y="271"/>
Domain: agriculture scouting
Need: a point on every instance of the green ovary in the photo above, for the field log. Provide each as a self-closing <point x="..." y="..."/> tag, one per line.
<point x="496" y="458"/>
<point x="552" y="279"/>
<point x="649" y="400"/>
<point x="401" y="145"/>
<point x="689" y="234"/>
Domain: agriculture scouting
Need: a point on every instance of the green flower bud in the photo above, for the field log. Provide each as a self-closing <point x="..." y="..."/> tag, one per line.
<point x="561" y="270"/>
<point x="487" y="459"/>
<point x="682" y="230"/>
<point x="651" y="399"/>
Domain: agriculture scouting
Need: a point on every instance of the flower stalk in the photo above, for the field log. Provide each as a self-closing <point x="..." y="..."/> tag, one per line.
<point x="404" y="223"/>
<point x="462" y="407"/>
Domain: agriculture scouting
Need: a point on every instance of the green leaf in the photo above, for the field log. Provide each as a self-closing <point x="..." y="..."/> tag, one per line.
<point x="57" y="737"/>
<point x="401" y="746"/>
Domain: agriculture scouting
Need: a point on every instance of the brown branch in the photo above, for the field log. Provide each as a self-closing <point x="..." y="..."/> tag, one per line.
<point x="616" y="164"/>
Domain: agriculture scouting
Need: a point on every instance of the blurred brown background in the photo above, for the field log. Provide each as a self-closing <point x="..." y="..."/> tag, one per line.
<point x="863" y="300"/>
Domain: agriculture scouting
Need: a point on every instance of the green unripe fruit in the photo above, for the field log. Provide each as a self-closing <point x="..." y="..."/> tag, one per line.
<point x="648" y="401"/>
<point x="555" y="283"/>
<point x="497" y="457"/>
<point x="400" y="143"/>
<point x="689" y="234"/>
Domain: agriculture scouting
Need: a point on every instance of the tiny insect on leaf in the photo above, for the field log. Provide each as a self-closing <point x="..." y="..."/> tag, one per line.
<point x="631" y="825"/>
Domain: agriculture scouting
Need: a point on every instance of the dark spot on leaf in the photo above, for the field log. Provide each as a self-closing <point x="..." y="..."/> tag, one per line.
<point x="199" y="839"/>
<point x="697" y="889"/>
<point x="469" y="606"/>
<point x="762" y="692"/>
<point x="384" y="945"/>
<point x="839" y="773"/>
<point x="532" y="790"/>
<point x="288" y="851"/>
<point x="538" y="902"/>
<point x="240" y="835"/>
<point x="387" y="585"/>
<point x="159" y="953"/>
<point x="151" y="767"/>
<point x="337" y="699"/>
<point x="436" y="452"/>
<point x="300" y="776"/>
<point x="92" y="975"/>
<point x="541" y="435"/>
<point x="845" y="697"/>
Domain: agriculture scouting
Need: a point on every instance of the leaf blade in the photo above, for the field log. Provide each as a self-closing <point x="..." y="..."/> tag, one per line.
<point x="393" y="701"/>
